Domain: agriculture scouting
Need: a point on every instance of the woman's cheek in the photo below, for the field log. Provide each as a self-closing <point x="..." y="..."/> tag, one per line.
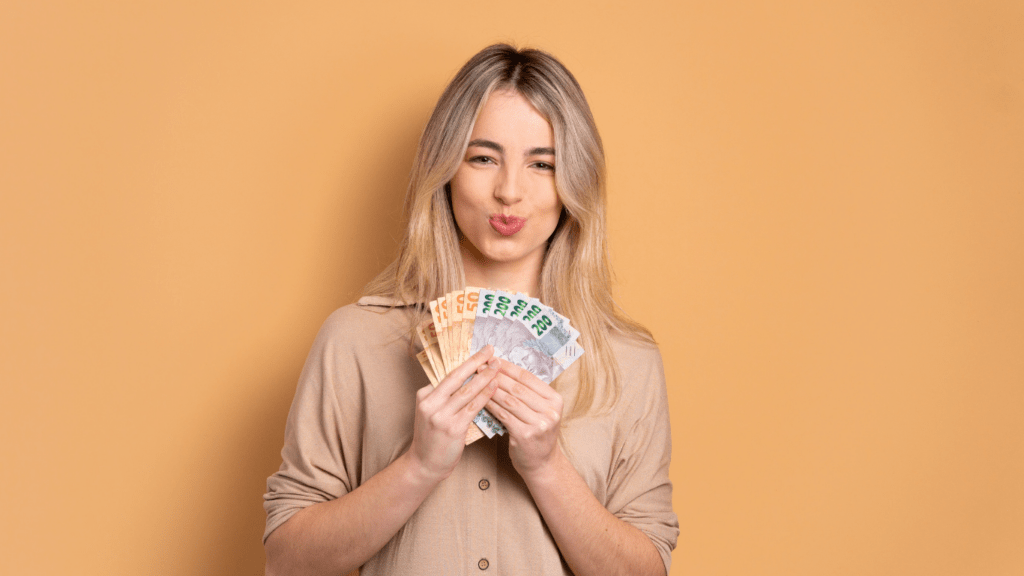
<point x="463" y="215"/>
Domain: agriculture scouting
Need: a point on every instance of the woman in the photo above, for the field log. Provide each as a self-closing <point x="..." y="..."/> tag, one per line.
<point x="507" y="191"/>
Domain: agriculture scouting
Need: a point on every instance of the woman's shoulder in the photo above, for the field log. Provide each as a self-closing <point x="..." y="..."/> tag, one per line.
<point x="634" y="352"/>
<point x="642" y="387"/>
<point x="370" y="318"/>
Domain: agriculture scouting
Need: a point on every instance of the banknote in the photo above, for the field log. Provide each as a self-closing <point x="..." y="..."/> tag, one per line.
<point x="527" y="337"/>
<point x="426" y="357"/>
<point x="458" y="306"/>
<point x="435" y="316"/>
<point x="468" y="320"/>
<point x="422" y="357"/>
<point x="428" y="338"/>
<point x="446" y="319"/>
<point x="441" y="323"/>
<point x="522" y="330"/>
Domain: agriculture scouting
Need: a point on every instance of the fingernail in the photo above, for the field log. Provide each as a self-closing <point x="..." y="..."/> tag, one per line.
<point x="493" y="362"/>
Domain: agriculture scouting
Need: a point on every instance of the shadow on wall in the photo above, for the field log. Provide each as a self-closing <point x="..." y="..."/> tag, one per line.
<point x="256" y="446"/>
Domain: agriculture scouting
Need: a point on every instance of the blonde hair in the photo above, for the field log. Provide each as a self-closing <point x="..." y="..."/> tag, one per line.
<point x="576" y="278"/>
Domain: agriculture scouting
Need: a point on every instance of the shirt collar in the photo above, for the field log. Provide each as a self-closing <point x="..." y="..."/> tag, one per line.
<point x="382" y="301"/>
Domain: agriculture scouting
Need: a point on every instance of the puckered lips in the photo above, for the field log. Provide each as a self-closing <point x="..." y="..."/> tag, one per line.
<point x="506" y="225"/>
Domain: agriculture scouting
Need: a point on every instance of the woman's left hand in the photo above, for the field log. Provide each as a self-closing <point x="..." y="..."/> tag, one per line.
<point x="531" y="411"/>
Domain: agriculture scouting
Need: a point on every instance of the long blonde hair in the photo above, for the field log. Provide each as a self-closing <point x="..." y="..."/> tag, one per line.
<point x="576" y="278"/>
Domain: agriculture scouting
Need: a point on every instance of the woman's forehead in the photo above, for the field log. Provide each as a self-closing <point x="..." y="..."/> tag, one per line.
<point x="509" y="118"/>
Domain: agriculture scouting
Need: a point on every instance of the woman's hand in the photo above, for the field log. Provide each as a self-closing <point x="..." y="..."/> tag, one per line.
<point x="443" y="414"/>
<point x="531" y="411"/>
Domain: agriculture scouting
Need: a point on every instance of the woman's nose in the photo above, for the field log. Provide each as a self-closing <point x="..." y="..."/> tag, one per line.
<point x="508" y="188"/>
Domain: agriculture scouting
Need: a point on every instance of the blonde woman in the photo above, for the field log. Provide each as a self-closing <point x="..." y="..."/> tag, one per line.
<point x="507" y="191"/>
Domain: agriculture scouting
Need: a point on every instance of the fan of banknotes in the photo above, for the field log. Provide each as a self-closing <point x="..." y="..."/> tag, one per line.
<point x="522" y="330"/>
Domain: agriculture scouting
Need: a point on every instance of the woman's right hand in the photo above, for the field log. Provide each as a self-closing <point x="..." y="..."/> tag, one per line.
<point x="443" y="414"/>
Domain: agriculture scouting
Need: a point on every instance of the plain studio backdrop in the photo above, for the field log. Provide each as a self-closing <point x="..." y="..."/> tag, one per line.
<point x="817" y="208"/>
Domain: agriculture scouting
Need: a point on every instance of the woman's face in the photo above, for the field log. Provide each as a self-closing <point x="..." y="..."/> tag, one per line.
<point x="503" y="194"/>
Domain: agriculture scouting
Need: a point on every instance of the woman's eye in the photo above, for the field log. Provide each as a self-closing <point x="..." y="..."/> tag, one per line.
<point x="481" y="159"/>
<point x="544" y="166"/>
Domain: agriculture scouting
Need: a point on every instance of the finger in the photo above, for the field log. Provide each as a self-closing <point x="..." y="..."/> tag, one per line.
<point x="423" y="392"/>
<point x="527" y="378"/>
<point x="523" y="393"/>
<point x="516" y="407"/>
<point x="453" y="381"/>
<point x="482" y="398"/>
<point x="514" y="425"/>
<point x="465" y="395"/>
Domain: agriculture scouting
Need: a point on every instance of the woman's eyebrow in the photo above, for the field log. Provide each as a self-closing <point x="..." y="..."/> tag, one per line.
<point x="483" y="143"/>
<point x="488" y="144"/>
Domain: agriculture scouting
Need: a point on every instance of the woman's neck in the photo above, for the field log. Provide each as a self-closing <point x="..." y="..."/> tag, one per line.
<point x="523" y="275"/>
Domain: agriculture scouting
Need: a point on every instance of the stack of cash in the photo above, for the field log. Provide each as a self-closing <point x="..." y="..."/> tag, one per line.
<point x="522" y="330"/>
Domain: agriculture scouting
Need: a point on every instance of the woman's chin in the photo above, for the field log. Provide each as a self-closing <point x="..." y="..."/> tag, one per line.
<point x="506" y="255"/>
<point x="502" y="254"/>
<point x="502" y="258"/>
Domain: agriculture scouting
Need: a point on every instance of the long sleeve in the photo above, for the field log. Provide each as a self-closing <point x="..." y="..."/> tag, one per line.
<point x="639" y="490"/>
<point x="623" y="452"/>
<point x="319" y="458"/>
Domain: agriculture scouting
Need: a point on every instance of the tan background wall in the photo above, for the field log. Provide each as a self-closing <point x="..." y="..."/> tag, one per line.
<point x="816" y="206"/>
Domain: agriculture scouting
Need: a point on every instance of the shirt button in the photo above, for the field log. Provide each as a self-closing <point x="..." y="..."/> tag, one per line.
<point x="484" y="485"/>
<point x="483" y="564"/>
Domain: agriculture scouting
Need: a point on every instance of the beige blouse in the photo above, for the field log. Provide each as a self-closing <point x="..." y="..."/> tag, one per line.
<point x="353" y="414"/>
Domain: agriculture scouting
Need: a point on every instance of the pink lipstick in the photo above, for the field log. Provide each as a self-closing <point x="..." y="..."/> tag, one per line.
<point x="506" y="225"/>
